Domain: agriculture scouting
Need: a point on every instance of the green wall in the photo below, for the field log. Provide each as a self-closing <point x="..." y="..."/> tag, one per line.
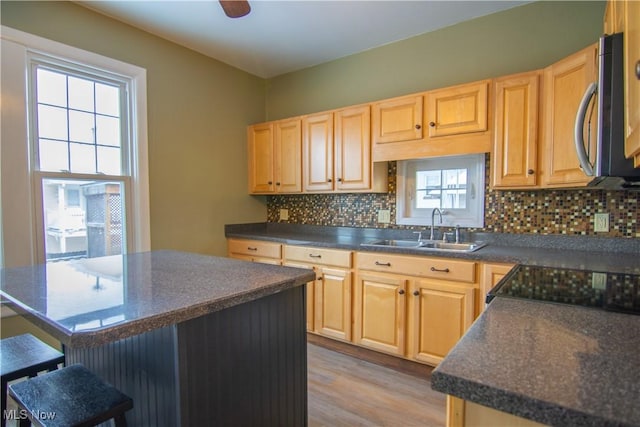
<point x="519" y="39"/>
<point x="198" y="110"/>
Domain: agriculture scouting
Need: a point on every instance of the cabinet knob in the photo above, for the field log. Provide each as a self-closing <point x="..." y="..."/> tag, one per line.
<point x="401" y="291"/>
<point x="277" y="183"/>
<point x="270" y="182"/>
<point x="329" y="180"/>
<point x="416" y="293"/>
<point x="418" y="126"/>
<point x="339" y="179"/>
<point x="530" y="172"/>
<point x="432" y="124"/>
<point x="638" y="69"/>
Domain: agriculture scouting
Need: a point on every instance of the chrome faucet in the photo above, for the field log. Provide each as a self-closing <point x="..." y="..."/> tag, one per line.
<point x="433" y="214"/>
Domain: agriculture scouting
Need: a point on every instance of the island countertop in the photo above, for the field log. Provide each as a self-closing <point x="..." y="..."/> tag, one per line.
<point x="93" y="301"/>
<point x="556" y="364"/>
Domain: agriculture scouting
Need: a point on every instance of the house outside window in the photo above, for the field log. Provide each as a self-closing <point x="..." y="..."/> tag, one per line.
<point x="74" y="153"/>
<point x="454" y="184"/>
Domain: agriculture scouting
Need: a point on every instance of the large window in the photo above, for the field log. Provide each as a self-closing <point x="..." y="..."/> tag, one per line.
<point x="80" y="147"/>
<point x="74" y="153"/>
<point x="455" y="185"/>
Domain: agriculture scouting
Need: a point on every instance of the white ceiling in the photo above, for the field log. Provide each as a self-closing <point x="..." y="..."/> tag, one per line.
<point x="278" y="37"/>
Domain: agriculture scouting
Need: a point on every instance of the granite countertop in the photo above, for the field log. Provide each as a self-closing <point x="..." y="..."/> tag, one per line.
<point x="580" y="252"/>
<point x="93" y="301"/>
<point x="556" y="364"/>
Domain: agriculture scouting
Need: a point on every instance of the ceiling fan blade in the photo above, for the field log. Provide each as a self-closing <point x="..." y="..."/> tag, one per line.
<point x="235" y="8"/>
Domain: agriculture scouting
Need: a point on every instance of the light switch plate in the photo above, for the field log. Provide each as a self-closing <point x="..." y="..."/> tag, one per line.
<point x="284" y="214"/>
<point x="384" y="216"/>
<point x="599" y="280"/>
<point x="601" y="222"/>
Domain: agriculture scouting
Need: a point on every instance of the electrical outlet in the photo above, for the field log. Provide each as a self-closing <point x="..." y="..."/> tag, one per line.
<point x="384" y="216"/>
<point x="599" y="280"/>
<point x="284" y="214"/>
<point x="601" y="222"/>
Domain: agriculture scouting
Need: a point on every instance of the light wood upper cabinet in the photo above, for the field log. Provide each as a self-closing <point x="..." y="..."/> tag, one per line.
<point x="353" y="148"/>
<point x="288" y="160"/>
<point x="380" y="312"/>
<point x="274" y="152"/>
<point x="565" y="83"/>
<point x="514" y="163"/>
<point x="458" y="109"/>
<point x="631" y="13"/>
<point x="261" y="158"/>
<point x="317" y="151"/>
<point x="397" y="119"/>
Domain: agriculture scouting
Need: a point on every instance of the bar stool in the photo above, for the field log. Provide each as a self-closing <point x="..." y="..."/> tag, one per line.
<point x="25" y="356"/>
<point x="70" y="397"/>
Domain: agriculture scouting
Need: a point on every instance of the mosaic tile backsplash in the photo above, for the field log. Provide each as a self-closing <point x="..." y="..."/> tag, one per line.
<point x="540" y="211"/>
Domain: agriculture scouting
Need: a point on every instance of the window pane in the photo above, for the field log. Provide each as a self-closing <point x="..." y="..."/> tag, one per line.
<point x="53" y="155"/>
<point x="83" y="158"/>
<point x="52" y="88"/>
<point x="81" y="127"/>
<point x="108" y="131"/>
<point x="109" y="160"/>
<point x="107" y="100"/>
<point x="52" y="122"/>
<point x="81" y="94"/>
<point x="83" y="218"/>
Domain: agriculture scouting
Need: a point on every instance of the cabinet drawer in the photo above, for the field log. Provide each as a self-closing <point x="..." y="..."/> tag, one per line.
<point x="437" y="268"/>
<point x="254" y="248"/>
<point x="318" y="256"/>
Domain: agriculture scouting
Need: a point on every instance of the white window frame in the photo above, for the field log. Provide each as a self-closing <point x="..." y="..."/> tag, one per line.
<point x="21" y="209"/>
<point x="473" y="216"/>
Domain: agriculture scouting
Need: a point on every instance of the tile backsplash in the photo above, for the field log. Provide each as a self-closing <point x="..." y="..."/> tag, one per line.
<point x="539" y="211"/>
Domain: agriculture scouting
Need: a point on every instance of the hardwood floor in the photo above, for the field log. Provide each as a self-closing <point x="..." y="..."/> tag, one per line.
<point x="348" y="391"/>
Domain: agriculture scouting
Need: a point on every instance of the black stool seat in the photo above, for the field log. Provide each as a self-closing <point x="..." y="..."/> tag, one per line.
<point x="25" y="356"/>
<point x="71" y="396"/>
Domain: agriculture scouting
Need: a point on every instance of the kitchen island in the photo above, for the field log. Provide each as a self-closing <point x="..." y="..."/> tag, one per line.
<point x="193" y="339"/>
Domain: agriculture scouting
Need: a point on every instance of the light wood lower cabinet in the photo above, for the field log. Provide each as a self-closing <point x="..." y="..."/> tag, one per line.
<point x="413" y="307"/>
<point x="440" y="313"/>
<point x="329" y="313"/>
<point x="490" y="275"/>
<point x="463" y="413"/>
<point x="380" y="312"/>
<point x="255" y="250"/>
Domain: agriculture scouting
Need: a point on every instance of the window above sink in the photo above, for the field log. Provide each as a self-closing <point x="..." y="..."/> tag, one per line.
<point x="453" y="184"/>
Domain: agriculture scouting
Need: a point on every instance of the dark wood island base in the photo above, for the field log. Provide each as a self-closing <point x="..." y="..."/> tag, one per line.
<point x="244" y="366"/>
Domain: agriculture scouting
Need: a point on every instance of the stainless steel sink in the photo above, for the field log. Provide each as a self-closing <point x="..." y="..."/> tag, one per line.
<point x="434" y="245"/>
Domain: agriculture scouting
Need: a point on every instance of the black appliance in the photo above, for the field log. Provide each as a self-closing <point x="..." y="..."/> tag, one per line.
<point x="618" y="292"/>
<point x="611" y="170"/>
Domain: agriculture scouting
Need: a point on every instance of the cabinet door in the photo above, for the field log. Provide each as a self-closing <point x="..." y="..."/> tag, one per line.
<point x="441" y="313"/>
<point x="632" y="79"/>
<point x="317" y="152"/>
<point x="353" y="148"/>
<point x="309" y="291"/>
<point x="380" y="316"/>
<point x="261" y="158"/>
<point x="565" y="83"/>
<point x="458" y="110"/>
<point x="333" y="303"/>
<point x="288" y="156"/>
<point x="490" y="276"/>
<point x="398" y="119"/>
<point x="514" y="160"/>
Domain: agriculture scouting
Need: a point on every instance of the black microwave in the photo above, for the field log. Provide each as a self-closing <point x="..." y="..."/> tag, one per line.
<point x="610" y="170"/>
